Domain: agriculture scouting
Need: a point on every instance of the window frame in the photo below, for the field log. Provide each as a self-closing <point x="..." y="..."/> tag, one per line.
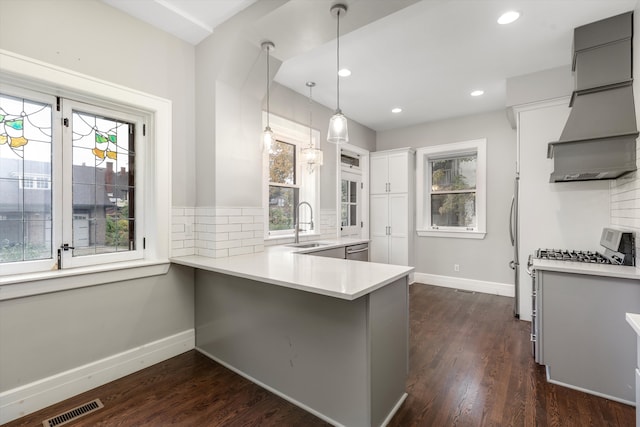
<point x="30" y="74"/>
<point x="69" y="259"/>
<point x="424" y="226"/>
<point x="296" y="134"/>
<point x="351" y="175"/>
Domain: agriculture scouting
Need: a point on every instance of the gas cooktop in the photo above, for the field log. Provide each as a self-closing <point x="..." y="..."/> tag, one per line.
<point x="571" y="255"/>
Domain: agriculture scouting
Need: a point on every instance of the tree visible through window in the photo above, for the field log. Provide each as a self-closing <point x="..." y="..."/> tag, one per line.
<point x="103" y="184"/>
<point x="67" y="177"/>
<point x="453" y="191"/>
<point x="283" y="188"/>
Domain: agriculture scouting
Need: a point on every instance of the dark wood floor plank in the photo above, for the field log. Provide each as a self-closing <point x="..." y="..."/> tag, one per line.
<point x="470" y="365"/>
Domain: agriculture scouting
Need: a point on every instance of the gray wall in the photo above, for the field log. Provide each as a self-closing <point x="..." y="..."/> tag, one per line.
<point x="95" y="39"/>
<point x="47" y="334"/>
<point x="485" y="259"/>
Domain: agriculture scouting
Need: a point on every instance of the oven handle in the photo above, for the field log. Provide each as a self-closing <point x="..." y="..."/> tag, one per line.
<point x="529" y="265"/>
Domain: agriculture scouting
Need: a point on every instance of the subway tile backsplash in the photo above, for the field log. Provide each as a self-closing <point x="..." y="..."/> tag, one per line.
<point x="625" y="203"/>
<point x="216" y="232"/>
<point x="222" y="232"/>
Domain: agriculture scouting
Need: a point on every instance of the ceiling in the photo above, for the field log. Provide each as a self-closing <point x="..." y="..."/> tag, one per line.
<point x="423" y="56"/>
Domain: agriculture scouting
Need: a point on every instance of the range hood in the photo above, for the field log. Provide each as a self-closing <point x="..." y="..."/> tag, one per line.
<point x="599" y="138"/>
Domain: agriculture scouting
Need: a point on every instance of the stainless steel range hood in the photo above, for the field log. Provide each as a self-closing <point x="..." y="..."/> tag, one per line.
<point x="599" y="139"/>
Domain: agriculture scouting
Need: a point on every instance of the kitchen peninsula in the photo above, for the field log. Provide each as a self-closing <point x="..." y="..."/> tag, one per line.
<point x="329" y="335"/>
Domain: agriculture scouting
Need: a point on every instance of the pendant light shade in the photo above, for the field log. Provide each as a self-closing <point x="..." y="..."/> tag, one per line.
<point x="338" y="132"/>
<point x="311" y="155"/>
<point x="267" y="133"/>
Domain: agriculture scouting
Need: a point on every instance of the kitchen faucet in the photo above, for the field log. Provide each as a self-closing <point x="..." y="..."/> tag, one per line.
<point x="297" y="226"/>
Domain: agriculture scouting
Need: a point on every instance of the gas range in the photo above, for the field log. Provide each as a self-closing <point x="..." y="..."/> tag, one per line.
<point x="619" y="249"/>
<point x="572" y="255"/>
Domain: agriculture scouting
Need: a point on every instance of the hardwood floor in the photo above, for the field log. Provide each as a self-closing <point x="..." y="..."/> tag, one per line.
<point x="470" y="365"/>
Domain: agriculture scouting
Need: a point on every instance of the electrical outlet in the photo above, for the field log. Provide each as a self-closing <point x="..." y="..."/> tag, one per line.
<point x="456" y="267"/>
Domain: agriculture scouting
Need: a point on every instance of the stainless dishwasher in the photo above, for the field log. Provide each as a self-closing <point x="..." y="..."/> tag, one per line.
<point x="359" y="252"/>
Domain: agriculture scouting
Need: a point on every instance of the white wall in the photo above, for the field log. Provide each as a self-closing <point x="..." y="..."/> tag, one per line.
<point x="230" y="95"/>
<point x="295" y="107"/>
<point x="50" y="333"/>
<point x="487" y="259"/>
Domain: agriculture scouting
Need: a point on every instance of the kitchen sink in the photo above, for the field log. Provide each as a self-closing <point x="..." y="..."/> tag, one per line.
<point x="306" y="245"/>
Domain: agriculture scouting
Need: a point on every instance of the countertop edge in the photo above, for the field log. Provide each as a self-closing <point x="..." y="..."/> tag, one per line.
<point x="617" y="271"/>
<point x="206" y="263"/>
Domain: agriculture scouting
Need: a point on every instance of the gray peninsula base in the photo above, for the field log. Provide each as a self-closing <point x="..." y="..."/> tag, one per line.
<point x="344" y="361"/>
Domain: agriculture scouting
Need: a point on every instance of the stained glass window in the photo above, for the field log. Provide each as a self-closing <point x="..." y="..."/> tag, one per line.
<point x="25" y="179"/>
<point x="103" y="185"/>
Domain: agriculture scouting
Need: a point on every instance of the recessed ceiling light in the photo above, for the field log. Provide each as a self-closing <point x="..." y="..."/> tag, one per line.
<point x="477" y="92"/>
<point x="508" y="17"/>
<point x="396" y="110"/>
<point x="345" y="72"/>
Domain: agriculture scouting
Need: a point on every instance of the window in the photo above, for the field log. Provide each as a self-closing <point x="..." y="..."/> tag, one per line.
<point x="283" y="187"/>
<point x="451" y="190"/>
<point x="68" y="175"/>
<point x="289" y="182"/>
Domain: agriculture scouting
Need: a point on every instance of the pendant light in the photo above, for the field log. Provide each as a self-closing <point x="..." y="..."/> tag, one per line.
<point x="312" y="156"/>
<point x="338" y="132"/>
<point x="267" y="134"/>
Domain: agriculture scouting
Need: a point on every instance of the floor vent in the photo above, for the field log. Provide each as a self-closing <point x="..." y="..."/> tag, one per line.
<point x="73" y="414"/>
<point x="464" y="291"/>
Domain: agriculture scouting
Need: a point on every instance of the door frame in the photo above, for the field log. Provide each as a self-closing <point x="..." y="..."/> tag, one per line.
<point x="364" y="168"/>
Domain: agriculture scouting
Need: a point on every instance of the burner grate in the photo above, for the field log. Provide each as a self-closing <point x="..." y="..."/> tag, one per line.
<point x="572" y="255"/>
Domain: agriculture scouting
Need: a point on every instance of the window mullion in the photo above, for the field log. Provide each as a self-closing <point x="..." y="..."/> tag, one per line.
<point x="66" y="143"/>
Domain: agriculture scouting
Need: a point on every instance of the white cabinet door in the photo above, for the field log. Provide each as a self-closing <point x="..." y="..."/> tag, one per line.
<point x="379" y="222"/>
<point x="399" y="229"/>
<point x="379" y="166"/>
<point x="398" y="177"/>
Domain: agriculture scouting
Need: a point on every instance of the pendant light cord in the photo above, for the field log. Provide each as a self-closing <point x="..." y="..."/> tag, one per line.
<point x="310" y="115"/>
<point x="268" y="74"/>
<point x="338" y="61"/>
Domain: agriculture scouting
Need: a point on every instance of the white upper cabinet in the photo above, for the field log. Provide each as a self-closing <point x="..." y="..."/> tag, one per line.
<point x="389" y="172"/>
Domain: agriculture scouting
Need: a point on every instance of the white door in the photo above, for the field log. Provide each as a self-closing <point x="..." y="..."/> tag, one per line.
<point x="379" y="222"/>
<point x="398" y="229"/>
<point x="379" y="174"/>
<point x="350" y="204"/>
<point x="398" y="176"/>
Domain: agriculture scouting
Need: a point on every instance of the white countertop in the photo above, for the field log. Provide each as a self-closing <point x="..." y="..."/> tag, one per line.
<point x="634" y="320"/>
<point x="608" y="270"/>
<point x="290" y="267"/>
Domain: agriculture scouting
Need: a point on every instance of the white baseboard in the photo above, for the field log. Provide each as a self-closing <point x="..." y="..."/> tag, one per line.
<point x="586" y="390"/>
<point x="37" y="395"/>
<point x="485" y="287"/>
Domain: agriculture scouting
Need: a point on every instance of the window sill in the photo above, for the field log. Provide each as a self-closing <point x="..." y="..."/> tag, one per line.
<point x="452" y="234"/>
<point x="291" y="236"/>
<point x="29" y="284"/>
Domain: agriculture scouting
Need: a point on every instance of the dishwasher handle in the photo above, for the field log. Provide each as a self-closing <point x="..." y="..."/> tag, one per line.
<point x="355" y="251"/>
